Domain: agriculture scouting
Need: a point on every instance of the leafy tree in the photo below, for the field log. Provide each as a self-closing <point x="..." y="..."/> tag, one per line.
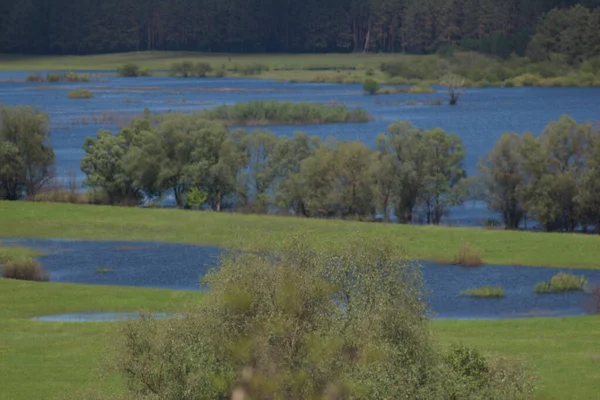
<point x="309" y="325"/>
<point x="28" y="158"/>
<point x="503" y="175"/>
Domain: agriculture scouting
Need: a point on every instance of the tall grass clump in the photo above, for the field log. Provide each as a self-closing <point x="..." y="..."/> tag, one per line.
<point x="467" y="256"/>
<point x="187" y="69"/>
<point x="131" y="70"/>
<point x="80" y="94"/>
<point x="484" y="292"/>
<point x="300" y="325"/>
<point x="24" y="269"/>
<point x="561" y="282"/>
<point x="34" y="77"/>
<point x="420" y="89"/>
<point x="286" y="112"/>
<point x="56" y="77"/>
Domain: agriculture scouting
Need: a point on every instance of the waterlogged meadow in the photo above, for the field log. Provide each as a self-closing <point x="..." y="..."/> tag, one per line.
<point x="479" y="119"/>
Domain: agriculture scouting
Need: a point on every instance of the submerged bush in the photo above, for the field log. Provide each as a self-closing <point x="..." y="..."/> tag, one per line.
<point x="131" y="70"/>
<point x="371" y="86"/>
<point x="468" y="256"/>
<point x="54" y="77"/>
<point x="24" y="269"/>
<point x="80" y="94"/>
<point x="421" y="89"/>
<point x="302" y="324"/>
<point x="286" y="112"/>
<point x="561" y="282"/>
<point x="484" y="291"/>
<point x="34" y="78"/>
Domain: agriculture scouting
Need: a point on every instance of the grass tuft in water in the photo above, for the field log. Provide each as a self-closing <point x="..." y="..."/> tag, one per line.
<point x="105" y="270"/>
<point x="560" y="283"/>
<point x="467" y="256"/>
<point x="484" y="292"/>
<point x="80" y="94"/>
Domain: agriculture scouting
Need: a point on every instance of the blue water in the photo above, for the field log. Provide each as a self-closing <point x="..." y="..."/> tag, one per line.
<point x="179" y="267"/>
<point x="481" y="116"/>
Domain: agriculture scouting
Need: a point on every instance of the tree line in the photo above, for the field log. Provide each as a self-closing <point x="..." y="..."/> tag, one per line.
<point x="411" y="175"/>
<point x="97" y="26"/>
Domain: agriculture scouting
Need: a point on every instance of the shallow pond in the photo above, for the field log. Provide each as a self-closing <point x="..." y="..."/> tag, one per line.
<point x="179" y="267"/>
<point x="479" y="119"/>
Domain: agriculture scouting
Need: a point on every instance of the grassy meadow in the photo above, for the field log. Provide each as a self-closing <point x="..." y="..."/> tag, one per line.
<point x="44" y="360"/>
<point x="53" y="220"/>
<point x="477" y="69"/>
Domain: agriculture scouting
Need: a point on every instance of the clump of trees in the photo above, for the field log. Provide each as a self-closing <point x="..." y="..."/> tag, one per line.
<point x="553" y="179"/>
<point x="26" y="157"/>
<point x="413" y="174"/>
<point x="303" y="324"/>
<point x="131" y="70"/>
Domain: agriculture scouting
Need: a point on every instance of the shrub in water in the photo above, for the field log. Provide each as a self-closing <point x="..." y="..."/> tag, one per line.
<point x="80" y="94"/>
<point x="371" y="86"/>
<point x="467" y="256"/>
<point x="129" y="70"/>
<point x="484" y="291"/>
<point x="26" y="269"/>
<point x="34" y="78"/>
<point x="251" y="69"/>
<point x="561" y="282"/>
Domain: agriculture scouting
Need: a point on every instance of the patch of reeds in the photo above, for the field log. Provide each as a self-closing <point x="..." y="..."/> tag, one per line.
<point x="420" y="89"/>
<point x="26" y="269"/>
<point x="250" y="69"/>
<point x="286" y="112"/>
<point x="80" y="94"/>
<point x="484" y="292"/>
<point x="467" y="256"/>
<point x="57" y="77"/>
<point x="560" y="283"/>
<point x="104" y="270"/>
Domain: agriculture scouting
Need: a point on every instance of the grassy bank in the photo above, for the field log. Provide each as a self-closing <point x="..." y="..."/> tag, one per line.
<point x="43" y="360"/>
<point x="477" y="69"/>
<point x="51" y="220"/>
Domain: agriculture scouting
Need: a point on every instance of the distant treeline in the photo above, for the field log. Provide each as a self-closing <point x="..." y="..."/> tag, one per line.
<point x="412" y="175"/>
<point x="417" y="26"/>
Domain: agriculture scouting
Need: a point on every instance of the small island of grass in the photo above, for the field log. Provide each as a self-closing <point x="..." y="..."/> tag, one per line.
<point x="80" y="94"/>
<point x="255" y="113"/>
<point x="560" y="283"/>
<point x="484" y="292"/>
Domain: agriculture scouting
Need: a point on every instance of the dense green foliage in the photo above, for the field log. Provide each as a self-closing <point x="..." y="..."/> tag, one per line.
<point x="309" y="325"/>
<point x="270" y="112"/>
<point x="412" y="170"/>
<point x="561" y="282"/>
<point x="371" y="86"/>
<point x="26" y="158"/>
<point x="553" y="178"/>
<point x="61" y="26"/>
<point x="484" y="291"/>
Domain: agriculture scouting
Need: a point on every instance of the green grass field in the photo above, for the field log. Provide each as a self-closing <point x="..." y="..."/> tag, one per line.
<point x="42" y="360"/>
<point x="161" y="60"/>
<point x="52" y="220"/>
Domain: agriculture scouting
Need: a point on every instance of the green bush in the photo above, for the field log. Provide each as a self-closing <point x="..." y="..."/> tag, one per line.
<point x="80" y="94"/>
<point x="484" y="291"/>
<point x="221" y="72"/>
<point x="187" y="69"/>
<point x="129" y="70"/>
<point x="561" y="282"/>
<point x="304" y="324"/>
<point x="371" y="86"/>
<point x="286" y="112"/>
<point x="24" y="269"/>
